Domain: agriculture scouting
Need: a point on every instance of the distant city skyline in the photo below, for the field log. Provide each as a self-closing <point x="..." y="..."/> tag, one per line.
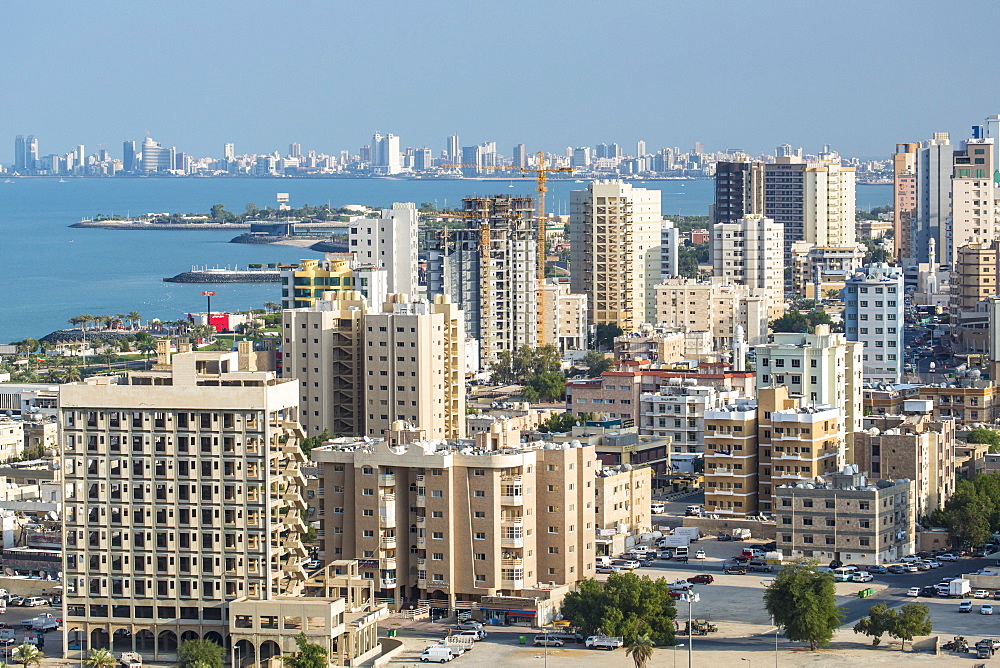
<point x="749" y="76"/>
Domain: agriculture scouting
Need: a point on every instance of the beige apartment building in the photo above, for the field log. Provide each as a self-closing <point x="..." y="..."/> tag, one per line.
<point x="753" y="448"/>
<point x="914" y="447"/>
<point x="828" y="204"/>
<point x="823" y="268"/>
<point x="750" y="251"/>
<point x="566" y="319"/>
<point x="904" y="197"/>
<point x="975" y="197"/>
<point x="182" y="496"/>
<point x="974" y="279"/>
<point x="449" y="525"/>
<point x="361" y="369"/>
<point x="846" y="517"/>
<point x="716" y="307"/>
<point x="623" y="507"/>
<point x="615" y="251"/>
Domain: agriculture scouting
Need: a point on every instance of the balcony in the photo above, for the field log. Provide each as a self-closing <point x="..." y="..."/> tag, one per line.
<point x="387" y="498"/>
<point x="787" y="456"/>
<point x="512" y="500"/>
<point x="388" y="583"/>
<point x="421" y="541"/>
<point x="387" y="519"/>
<point x="718" y="492"/>
<point x="388" y="542"/>
<point x="510" y="478"/>
<point x="421" y="562"/>
<point x="421" y="499"/>
<point x="422" y="583"/>
<point x="512" y="561"/>
<point x="387" y="480"/>
<point x="512" y="541"/>
<point x="721" y="472"/>
<point x="388" y="564"/>
<point x="512" y="521"/>
<point x="512" y="584"/>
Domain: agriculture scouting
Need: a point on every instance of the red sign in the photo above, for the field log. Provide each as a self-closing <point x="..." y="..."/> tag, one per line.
<point x="208" y="293"/>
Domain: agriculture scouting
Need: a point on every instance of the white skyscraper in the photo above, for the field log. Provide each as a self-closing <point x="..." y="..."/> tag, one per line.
<point x="385" y="154"/>
<point x="750" y="252"/>
<point x="390" y="242"/>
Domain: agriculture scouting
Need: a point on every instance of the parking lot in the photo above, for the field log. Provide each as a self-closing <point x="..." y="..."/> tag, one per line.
<point x="13" y="618"/>
<point x="735" y="604"/>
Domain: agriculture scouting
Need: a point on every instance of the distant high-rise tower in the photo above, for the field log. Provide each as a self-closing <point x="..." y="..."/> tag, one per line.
<point x="784" y="151"/>
<point x="20" y="153"/>
<point x="128" y="156"/>
<point x="739" y="191"/>
<point x="155" y="158"/>
<point x="904" y="197"/>
<point x="385" y="154"/>
<point x="423" y="158"/>
<point x="581" y="157"/>
<point x="230" y="151"/>
<point x="640" y="149"/>
<point x="520" y="156"/>
<point x="699" y="148"/>
<point x="295" y="150"/>
<point x="454" y="149"/>
<point x="934" y="169"/>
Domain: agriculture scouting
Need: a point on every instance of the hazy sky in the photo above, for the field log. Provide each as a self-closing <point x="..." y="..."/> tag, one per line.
<point x="550" y="73"/>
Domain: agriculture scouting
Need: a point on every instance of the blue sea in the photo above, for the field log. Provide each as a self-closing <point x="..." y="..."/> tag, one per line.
<point x="50" y="272"/>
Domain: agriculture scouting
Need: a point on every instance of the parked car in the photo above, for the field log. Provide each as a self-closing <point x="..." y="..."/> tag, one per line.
<point x="981" y="593"/>
<point x="701" y="578"/>
<point x="610" y="568"/>
<point x="723" y="537"/>
<point x="913" y="591"/>
<point x="911" y="568"/>
<point x="861" y="576"/>
<point x="700" y="554"/>
<point x="630" y="564"/>
<point x="475" y="634"/>
<point x="996" y="594"/>
<point x="929" y="590"/>
<point x="878" y="570"/>
<point x="760" y="567"/>
<point x="469" y="625"/>
<point x="947" y="556"/>
<point x="986" y="609"/>
<point x="568" y="637"/>
<point x="965" y="606"/>
<point x="897" y="568"/>
<point x="543" y="640"/>
<point x="934" y="563"/>
<point x="735" y="569"/>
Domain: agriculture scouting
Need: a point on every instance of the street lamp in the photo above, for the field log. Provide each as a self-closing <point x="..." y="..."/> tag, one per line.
<point x="675" y="653"/>
<point x="690" y="597"/>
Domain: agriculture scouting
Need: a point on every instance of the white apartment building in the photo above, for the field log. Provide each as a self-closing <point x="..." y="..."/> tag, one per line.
<point x="615" y="234"/>
<point x="389" y="242"/>
<point x="829" y="203"/>
<point x="873" y="315"/>
<point x="361" y="369"/>
<point x="566" y="319"/>
<point x="975" y="197"/>
<point x="182" y="496"/>
<point x="714" y="306"/>
<point x="677" y="411"/>
<point x="822" y="368"/>
<point x="750" y="252"/>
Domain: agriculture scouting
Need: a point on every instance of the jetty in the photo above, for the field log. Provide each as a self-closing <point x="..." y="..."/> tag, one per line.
<point x="219" y="275"/>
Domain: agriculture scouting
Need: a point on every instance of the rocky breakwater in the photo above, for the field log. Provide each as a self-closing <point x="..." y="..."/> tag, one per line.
<point x="227" y="276"/>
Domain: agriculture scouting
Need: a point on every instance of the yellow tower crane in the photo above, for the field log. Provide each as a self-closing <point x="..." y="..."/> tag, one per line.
<point x="541" y="176"/>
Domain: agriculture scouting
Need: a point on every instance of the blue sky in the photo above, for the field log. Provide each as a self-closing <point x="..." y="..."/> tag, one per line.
<point x="550" y="73"/>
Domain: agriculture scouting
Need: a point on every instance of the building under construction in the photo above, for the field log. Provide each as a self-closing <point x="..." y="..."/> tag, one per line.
<point x="496" y="290"/>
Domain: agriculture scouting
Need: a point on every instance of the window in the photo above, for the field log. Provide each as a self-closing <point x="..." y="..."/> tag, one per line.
<point x="437" y="514"/>
<point x="479" y="494"/>
<point x="438" y="535"/>
<point x="480" y="535"/>
<point x="437" y="556"/>
<point x="437" y="493"/>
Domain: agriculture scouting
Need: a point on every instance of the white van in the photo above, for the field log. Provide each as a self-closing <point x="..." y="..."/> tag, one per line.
<point x="439" y="653"/>
<point x="32" y="601"/>
<point x="603" y="560"/>
<point x="657" y="508"/>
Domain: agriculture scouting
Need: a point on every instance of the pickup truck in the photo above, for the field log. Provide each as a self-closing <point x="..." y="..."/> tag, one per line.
<point x="43" y="623"/>
<point x="604" y="642"/>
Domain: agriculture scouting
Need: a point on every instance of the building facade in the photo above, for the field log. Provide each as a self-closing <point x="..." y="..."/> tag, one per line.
<point x="873" y="315"/>
<point x="749" y="252"/>
<point x="389" y="242"/>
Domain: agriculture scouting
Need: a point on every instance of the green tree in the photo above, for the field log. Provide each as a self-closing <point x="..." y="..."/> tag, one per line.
<point x="985" y="435"/>
<point x="880" y="620"/>
<point x="804" y="603"/>
<point x="310" y="654"/>
<point x="309" y="442"/>
<point x="564" y="422"/>
<point x="626" y="605"/>
<point x="147" y="348"/>
<point x="970" y="514"/>
<point x="190" y="653"/>
<point x="914" y="619"/>
<point x="100" y="658"/>
<point x="596" y="363"/>
<point x="548" y="387"/>
<point x="28" y="655"/>
<point x="219" y="214"/>
<point x="134" y="319"/>
<point x="640" y="649"/>
<point x="792" y="321"/>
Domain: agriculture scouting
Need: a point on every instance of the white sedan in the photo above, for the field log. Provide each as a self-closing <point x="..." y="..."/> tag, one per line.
<point x="861" y="576"/>
<point x="700" y="554"/>
<point x="986" y="609"/>
<point x="913" y="591"/>
<point x="981" y="593"/>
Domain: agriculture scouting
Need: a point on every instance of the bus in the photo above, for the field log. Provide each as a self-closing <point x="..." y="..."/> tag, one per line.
<point x="844" y="573"/>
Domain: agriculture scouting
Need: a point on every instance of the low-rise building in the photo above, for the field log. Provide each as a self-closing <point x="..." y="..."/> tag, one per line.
<point x="11" y="438"/>
<point x="623" y="507"/>
<point x="677" y="412"/>
<point x="617" y="446"/>
<point x="968" y="399"/>
<point x="846" y="518"/>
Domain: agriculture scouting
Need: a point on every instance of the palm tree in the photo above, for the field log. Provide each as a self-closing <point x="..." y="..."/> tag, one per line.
<point x="146" y="347"/>
<point x="100" y="658"/>
<point x="77" y="320"/>
<point x="134" y="318"/>
<point x="119" y="320"/>
<point x="640" y="648"/>
<point x="71" y="374"/>
<point x="272" y="306"/>
<point x="28" y="655"/>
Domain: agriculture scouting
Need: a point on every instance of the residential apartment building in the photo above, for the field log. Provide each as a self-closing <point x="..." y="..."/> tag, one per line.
<point x="753" y="447"/>
<point x="873" y="315"/>
<point x="12" y="438"/>
<point x="615" y="251"/>
<point x="749" y="252"/>
<point x="975" y="196"/>
<point x="822" y="368"/>
<point x="449" y="524"/>
<point x="362" y="369"/>
<point x="623" y="496"/>
<point x="974" y="280"/>
<point x="182" y="497"/>
<point x="784" y="198"/>
<point x="715" y="306"/>
<point x="496" y="290"/>
<point x="677" y="412"/>
<point x="904" y="198"/>
<point x="818" y="269"/>
<point x="739" y="191"/>
<point x="828" y="193"/>
<point x="669" y="244"/>
<point x="303" y="286"/>
<point x="846" y="518"/>
<point x="651" y="343"/>
<point x="616" y="446"/>
<point x="914" y="447"/>
<point x="389" y="242"/>
<point x="968" y="399"/>
<point x="565" y="325"/>
<point x="934" y="163"/>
